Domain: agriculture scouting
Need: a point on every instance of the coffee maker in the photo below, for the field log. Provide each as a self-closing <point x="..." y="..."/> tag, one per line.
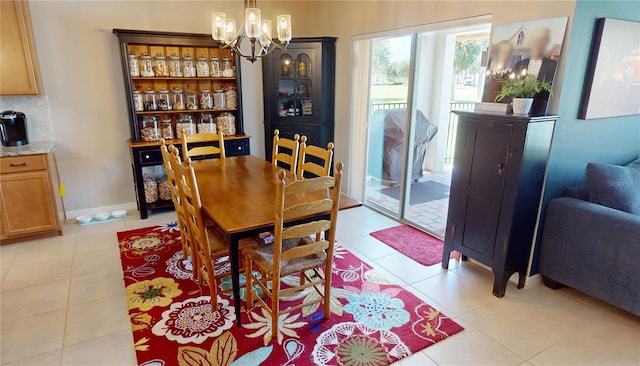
<point x="13" y="128"/>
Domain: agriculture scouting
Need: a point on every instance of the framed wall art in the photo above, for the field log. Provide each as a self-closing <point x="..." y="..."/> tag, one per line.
<point x="612" y="86"/>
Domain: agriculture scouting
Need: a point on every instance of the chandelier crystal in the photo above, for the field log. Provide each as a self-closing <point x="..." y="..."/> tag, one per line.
<point x="256" y="30"/>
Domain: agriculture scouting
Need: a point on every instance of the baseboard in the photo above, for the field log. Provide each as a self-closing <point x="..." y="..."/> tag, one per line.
<point x="72" y="214"/>
<point x="533" y="281"/>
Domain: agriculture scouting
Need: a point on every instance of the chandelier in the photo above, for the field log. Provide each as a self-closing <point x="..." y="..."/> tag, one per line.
<point x="255" y="29"/>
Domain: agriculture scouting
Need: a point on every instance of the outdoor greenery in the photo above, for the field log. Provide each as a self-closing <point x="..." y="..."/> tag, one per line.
<point x="467" y="57"/>
<point x="528" y="87"/>
<point x="382" y="64"/>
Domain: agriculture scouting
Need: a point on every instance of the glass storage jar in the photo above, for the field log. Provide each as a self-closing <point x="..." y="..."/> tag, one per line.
<point x="227" y="123"/>
<point x="202" y="67"/>
<point x="231" y="98"/>
<point x="185" y="121"/>
<point x="175" y="69"/>
<point x="138" y="103"/>
<point x="178" y="99"/>
<point x="205" y="99"/>
<point x="166" y="128"/>
<point x="214" y="67"/>
<point x="160" y="67"/>
<point x="207" y="123"/>
<point x="164" y="100"/>
<point x="149" y="130"/>
<point x="219" y="99"/>
<point x="190" y="100"/>
<point x="164" y="189"/>
<point x="227" y="70"/>
<point x="188" y="67"/>
<point x="146" y="68"/>
<point x="150" y="189"/>
<point x="134" y="66"/>
<point x="150" y="103"/>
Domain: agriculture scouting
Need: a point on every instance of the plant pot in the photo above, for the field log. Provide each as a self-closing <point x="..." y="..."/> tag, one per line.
<point x="522" y="106"/>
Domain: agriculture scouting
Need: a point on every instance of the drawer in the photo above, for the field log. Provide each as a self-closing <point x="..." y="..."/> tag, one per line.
<point x="236" y="147"/>
<point x="22" y="163"/>
<point x="150" y="157"/>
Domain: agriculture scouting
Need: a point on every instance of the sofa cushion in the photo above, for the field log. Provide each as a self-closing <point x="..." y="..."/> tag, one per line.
<point x="615" y="186"/>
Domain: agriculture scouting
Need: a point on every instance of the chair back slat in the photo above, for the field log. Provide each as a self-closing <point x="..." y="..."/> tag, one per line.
<point x="309" y="185"/>
<point x="305" y="250"/>
<point x="279" y="156"/>
<point x="302" y="230"/>
<point x="310" y="208"/>
<point x="309" y="157"/>
<point x="203" y="138"/>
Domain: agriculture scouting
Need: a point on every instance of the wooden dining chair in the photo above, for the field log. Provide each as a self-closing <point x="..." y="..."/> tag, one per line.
<point x="171" y="160"/>
<point x="207" y="245"/>
<point x="209" y="138"/>
<point x="296" y="249"/>
<point x="314" y="159"/>
<point x="280" y="156"/>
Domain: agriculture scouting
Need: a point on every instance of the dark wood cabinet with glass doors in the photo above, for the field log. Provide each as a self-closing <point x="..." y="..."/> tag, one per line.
<point x="299" y="91"/>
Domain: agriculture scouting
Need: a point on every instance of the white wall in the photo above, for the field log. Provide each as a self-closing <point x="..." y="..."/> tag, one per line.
<point x="82" y="76"/>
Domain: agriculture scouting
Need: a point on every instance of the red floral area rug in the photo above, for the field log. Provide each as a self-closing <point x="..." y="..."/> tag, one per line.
<point x="415" y="244"/>
<point x="373" y="321"/>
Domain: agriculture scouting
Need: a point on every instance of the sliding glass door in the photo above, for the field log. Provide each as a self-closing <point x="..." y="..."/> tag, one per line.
<point x="388" y="106"/>
<point x="415" y="81"/>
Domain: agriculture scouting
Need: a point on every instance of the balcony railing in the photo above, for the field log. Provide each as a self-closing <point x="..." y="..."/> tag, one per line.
<point x="452" y="125"/>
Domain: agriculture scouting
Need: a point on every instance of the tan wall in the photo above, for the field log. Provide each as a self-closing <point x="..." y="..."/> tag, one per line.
<point x="79" y="60"/>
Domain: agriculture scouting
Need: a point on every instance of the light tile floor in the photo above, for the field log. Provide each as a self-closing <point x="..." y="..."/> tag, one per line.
<point x="63" y="303"/>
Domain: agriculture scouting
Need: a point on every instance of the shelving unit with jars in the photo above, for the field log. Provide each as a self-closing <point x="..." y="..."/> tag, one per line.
<point x="176" y="81"/>
<point x="299" y="91"/>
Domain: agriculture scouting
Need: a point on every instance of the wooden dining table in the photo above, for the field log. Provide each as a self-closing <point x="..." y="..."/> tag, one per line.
<point x="239" y="195"/>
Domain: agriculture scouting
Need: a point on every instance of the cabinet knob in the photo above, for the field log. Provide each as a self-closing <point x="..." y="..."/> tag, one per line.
<point x="146" y="156"/>
<point x="500" y="168"/>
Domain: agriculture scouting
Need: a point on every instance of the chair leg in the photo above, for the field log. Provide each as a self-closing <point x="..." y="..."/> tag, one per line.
<point x="275" y="305"/>
<point x="248" y="291"/>
<point x="327" y="293"/>
<point x="213" y="289"/>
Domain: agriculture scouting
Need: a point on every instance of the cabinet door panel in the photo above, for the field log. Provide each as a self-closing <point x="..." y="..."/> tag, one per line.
<point x="313" y="133"/>
<point x="19" y="67"/>
<point x="485" y="157"/>
<point x="27" y="203"/>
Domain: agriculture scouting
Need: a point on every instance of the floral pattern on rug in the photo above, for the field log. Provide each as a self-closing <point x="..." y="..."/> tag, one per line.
<point x="373" y="321"/>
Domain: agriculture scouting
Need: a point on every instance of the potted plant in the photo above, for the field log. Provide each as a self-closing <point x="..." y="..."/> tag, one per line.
<point x="522" y="91"/>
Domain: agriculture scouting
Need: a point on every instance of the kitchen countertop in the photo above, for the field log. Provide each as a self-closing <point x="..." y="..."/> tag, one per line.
<point x="35" y="147"/>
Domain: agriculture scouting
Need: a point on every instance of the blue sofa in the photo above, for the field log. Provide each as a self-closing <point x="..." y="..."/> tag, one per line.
<point x="594" y="248"/>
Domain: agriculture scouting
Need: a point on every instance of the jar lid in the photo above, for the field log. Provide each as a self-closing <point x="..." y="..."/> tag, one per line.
<point x="132" y="55"/>
<point x="231" y="88"/>
<point x="214" y="58"/>
<point x="149" y="91"/>
<point x="146" y="57"/>
<point x="205" y="90"/>
<point x="178" y="90"/>
<point x="149" y="118"/>
<point x="166" y="120"/>
<point x="163" y="91"/>
<point x="190" y="92"/>
<point x="187" y="57"/>
<point x="160" y="57"/>
<point x="226" y="58"/>
<point x="219" y="90"/>
<point x="202" y="58"/>
<point x="174" y="56"/>
<point x="136" y="91"/>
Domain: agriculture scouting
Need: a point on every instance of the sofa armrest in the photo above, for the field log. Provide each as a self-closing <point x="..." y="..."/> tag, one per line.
<point x="594" y="249"/>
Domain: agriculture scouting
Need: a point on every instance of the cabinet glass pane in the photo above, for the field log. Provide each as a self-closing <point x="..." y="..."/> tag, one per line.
<point x="285" y="66"/>
<point x="303" y="66"/>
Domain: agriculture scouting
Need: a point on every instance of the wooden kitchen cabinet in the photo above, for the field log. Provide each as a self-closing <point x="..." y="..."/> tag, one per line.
<point x="19" y="73"/>
<point x="27" y="197"/>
